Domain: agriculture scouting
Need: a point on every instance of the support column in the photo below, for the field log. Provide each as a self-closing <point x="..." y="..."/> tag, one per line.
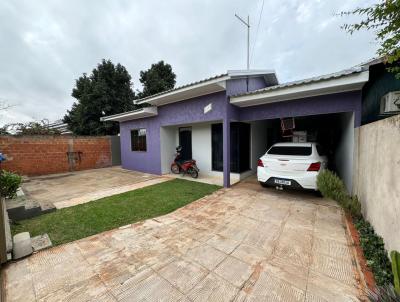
<point x="226" y="133"/>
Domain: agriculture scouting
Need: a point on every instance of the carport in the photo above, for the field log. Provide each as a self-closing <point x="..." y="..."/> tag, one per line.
<point x="322" y="109"/>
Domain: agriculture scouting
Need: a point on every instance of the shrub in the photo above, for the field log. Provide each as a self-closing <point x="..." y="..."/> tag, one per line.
<point x="353" y="206"/>
<point x="331" y="186"/>
<point x="29" y="128"/>
<point x="395" y="256"/>
<point x="385" y="293"/>
<point x="9" y="183"/>
<point x="374" y="252"/>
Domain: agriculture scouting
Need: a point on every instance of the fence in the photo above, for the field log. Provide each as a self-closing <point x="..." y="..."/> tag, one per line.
<point x="376" y="177"/>
<point x="40" y="155"/>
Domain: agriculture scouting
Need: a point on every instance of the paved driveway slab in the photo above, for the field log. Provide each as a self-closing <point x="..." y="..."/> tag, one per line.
<point x="241" y="244"/>
<point x="70" y="189"/>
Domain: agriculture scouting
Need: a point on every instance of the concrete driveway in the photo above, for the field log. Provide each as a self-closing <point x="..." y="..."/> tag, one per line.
<point x="69" y="189"/>
<point x="241" y="244"/>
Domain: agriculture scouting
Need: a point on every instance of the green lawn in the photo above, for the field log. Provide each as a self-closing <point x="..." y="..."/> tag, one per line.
<point x="87" y="219"/>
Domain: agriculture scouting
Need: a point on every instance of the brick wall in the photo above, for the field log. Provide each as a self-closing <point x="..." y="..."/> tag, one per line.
<point x="40" y="155"/>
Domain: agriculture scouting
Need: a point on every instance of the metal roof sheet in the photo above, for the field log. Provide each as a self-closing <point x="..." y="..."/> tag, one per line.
<point x="325" y="77"/>
<point x="181" y="87"/>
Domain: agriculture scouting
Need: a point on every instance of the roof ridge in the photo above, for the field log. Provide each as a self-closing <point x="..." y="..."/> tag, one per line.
<point x="229" y="73"/>
<point x="341" y="73"/>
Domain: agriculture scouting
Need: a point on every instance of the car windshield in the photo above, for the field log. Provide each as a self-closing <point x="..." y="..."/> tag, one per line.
<point x="290" y="150"/>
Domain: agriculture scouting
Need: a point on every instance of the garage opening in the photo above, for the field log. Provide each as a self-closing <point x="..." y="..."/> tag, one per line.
<point x="334" y="132"/>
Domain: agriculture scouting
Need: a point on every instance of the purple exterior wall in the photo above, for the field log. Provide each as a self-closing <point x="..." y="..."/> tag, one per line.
<point x="192" y="111"/>
<point x="242" y="85"/>
<point x="187" y="112"/>
<point x="325" y="104"/>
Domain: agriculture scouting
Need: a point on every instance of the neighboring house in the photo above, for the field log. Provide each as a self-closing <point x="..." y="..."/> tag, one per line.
<point x="381" y="84"/>
<point x="227" y="122"/>
<point x="60" y="126"/>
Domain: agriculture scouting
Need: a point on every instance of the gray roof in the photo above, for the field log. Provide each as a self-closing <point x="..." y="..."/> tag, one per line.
<point x="335" y="75"/>
<point x="269" y="75"/>
<point x="373" y="61"/>
<point x="180" y="87"/>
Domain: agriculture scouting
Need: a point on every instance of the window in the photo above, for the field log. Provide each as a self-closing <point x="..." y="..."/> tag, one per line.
<point x="138" y="140"/>
<point x="289" y="150"/>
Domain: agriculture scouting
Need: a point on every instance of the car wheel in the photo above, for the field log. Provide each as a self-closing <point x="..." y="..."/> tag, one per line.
<point x="318" y="194"/>
<point x="263" y="184"/>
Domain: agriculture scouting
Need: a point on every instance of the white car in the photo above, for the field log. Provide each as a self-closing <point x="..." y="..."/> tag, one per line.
<point x="294" y="165"/>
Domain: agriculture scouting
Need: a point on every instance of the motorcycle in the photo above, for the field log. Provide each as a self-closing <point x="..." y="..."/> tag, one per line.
<point x="185" y="167"/>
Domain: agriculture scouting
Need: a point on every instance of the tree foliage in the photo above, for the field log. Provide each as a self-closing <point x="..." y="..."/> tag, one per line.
<point x="158" y="78"/>
<point x="384" y="19"/>
<point x="29" y="128"/>
<point x="107" y="91"/>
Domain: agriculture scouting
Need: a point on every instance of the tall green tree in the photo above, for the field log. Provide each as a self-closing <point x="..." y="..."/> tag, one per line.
<point x="158" y="78"/>
<point x="107" y="91"/>
<point x="384" y="19"/>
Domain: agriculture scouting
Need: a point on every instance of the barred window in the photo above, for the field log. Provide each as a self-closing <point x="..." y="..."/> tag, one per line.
<point x="138" y="139"/>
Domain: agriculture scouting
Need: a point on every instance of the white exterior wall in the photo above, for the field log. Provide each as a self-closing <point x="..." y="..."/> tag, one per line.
<point x="201" y="150"/>
<point x="258" y="142"/>
<point x="201" y="147"/>
<point x="345" y="150"/>
<point x="168" y="143"/>
<point x="376" y="178"/>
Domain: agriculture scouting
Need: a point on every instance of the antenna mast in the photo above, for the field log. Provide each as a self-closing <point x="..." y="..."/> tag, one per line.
<point x="247" y="24"/>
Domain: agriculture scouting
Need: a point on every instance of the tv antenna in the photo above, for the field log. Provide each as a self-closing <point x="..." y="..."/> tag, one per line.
<point x="248" y="37"/>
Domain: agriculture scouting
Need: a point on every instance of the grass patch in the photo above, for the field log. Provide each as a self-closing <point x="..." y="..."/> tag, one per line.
<point x="107" y="213"/>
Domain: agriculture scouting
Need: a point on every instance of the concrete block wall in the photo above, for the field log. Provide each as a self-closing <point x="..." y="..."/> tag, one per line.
<point x="376" y="177"/>
<point x="41" y="155"/>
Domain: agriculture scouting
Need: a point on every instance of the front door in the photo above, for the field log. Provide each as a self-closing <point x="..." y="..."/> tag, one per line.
<point x="185" y="140"/>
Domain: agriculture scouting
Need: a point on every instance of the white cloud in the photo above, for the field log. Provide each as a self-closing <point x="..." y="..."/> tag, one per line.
<point x="45" y="46"/>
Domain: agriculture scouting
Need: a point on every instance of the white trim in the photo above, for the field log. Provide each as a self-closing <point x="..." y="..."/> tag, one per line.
<point x="214" y="85"/>
<point x="204" y="87"/>
<point x="132" y="115"/>
<point x="342" y="84"/>
<point x="250" y="73"/>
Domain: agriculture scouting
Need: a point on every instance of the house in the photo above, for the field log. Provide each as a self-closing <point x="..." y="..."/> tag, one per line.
<point x="228" y="121"/>
<point x="381" y="84"/>
<point x="60" y="126"/>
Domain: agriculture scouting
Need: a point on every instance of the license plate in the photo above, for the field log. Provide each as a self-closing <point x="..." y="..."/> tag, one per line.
<point x="283" y="182"/>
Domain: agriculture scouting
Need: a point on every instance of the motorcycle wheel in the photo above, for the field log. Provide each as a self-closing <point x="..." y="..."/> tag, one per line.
<point x="193" y="173"/>
<point x="175" y="169"/>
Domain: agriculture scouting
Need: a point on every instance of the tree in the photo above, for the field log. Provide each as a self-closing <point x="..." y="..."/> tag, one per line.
<point x="384" y="18"/>
<point x="107" y="91"/>
<point x="29" y="128"/>
<point x="158" y="78"/>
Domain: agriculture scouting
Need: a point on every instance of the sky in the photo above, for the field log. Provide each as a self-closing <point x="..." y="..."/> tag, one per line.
<point x="46" y="45"/>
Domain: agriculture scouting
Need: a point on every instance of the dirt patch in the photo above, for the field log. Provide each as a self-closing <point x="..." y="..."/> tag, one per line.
<point x="257" y="269"/>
